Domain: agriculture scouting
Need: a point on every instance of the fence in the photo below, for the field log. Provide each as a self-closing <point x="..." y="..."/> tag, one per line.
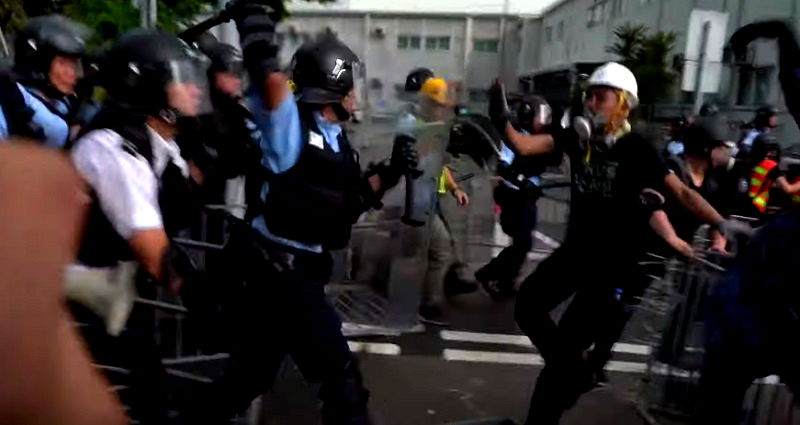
<point x="672" y="310"/>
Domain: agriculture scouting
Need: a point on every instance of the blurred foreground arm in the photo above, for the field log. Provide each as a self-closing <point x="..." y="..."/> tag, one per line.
<point x="47" y="373"/>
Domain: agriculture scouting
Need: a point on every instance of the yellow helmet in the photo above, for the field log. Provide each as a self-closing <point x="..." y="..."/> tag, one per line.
<point x="438" y="90"/>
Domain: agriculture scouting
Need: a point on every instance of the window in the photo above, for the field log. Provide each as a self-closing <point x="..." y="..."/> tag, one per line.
<point x="548" y="34"/>
<point x="437" y="43"/>
<point x="755" y="85"/>
<point x="597" y="12"/>
<point x="617" y="7"/>
<point x="560" y="34"/>
<point x="478" y="95"/>
<point x="408" y="42"/>
<point x="486" y="45"/>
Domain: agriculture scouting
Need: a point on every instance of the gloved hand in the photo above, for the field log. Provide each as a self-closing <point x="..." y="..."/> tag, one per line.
<point x="733" y="228"/>
<point x="499" y="111"/>
<point x="256" y="35"/>
<point x="404" y="157"/>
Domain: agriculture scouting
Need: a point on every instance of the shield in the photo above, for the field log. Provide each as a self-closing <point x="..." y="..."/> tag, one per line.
<point x="474" y="135"/>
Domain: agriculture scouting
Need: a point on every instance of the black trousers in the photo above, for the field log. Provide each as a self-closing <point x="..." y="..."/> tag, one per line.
<point x="595" y="316"/>
<point x="730" y="368"/>
<point x="282" y="310"/>
<point x="518" y="216"/>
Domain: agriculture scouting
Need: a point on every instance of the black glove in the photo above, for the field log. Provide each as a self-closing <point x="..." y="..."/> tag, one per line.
<point x="404" y="159"/>
<point x="256" y="36"/>
<point x="499" y="111"/>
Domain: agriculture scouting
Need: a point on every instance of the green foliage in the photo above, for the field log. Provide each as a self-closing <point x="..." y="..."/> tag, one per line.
<point x="108" y="18"/>
<point x="647" y="55"/>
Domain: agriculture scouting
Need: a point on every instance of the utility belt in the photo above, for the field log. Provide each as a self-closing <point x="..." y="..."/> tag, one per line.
<point x="284" y="259"/>
<point x="528" y="186"/>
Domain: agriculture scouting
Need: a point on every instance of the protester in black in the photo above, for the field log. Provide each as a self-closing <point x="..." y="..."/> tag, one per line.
<point x="611" y="169"/>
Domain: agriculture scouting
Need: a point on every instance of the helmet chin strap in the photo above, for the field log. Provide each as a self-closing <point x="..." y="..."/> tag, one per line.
<point x="341" y="112"/>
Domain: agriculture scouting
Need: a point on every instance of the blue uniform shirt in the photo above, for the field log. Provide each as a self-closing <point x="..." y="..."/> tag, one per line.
<point x="56" y="130"/>
<point x="507" y="156"/>
<point x="281" y="143"/>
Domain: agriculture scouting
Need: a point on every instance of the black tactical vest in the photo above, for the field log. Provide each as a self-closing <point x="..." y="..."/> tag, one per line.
<point x="317" y="200"/>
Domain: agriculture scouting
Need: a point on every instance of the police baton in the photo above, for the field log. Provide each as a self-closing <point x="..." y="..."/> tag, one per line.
<point x="412" y="215"/>
<point x="231" y="9"/>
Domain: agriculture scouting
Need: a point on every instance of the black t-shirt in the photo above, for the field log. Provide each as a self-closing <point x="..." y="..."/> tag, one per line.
<point x="606" y="212"/>
<point x="712" y="190"/>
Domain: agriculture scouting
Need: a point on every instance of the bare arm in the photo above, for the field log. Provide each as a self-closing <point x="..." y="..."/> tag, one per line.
<point x="449" y="181"/>
<point x="150" y="246"/>
<point x="790" y="188"/>
<point x="692" y="201"/>
<point x="659" y="222"/>
<point x="529" y="144"/>
<point x="47" y="373"/>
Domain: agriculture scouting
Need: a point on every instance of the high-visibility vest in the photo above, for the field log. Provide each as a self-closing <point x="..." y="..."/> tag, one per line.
<point x="759" y="185"/>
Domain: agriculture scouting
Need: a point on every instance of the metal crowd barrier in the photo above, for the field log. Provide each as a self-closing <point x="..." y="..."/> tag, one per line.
<point x="672" y="312"/>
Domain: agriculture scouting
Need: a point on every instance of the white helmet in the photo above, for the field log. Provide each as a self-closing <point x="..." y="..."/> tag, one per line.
<point x="619" y="77"/>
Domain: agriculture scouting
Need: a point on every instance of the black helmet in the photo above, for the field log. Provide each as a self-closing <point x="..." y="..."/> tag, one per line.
<point x="42" y="39"/>
<point x="137" y="69"/>
<point x="763" y="115"/>
<point x="705" y="134"/>
<point x="224" y="58"/>
<point x="765" y="146"/>
<point x="532" y="108"/>
<point x="416" y="78"/>
<point x="709" y="110"/>
<point x="322" y="71"/>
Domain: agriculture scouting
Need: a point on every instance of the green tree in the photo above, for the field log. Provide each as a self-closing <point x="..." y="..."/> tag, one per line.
<point x="647" y="55"/>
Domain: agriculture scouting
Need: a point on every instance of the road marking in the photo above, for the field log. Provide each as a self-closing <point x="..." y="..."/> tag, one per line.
<point x="523" y="341"/>
<point x="528" y="359"/>
<point x="493" y="357"/>
<point x="547" y="240"/>
<point x="374" y="348"/>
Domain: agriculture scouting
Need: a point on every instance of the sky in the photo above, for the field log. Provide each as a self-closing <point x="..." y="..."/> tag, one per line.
<point x="528" y="7"/>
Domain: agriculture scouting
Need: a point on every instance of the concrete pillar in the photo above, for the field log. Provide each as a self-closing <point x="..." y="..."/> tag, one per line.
<point x="467" y="52"/>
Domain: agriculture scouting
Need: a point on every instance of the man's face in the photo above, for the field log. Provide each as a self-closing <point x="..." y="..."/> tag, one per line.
<point x="228" y="83"/>
<point x="773" y="121"/>
<point x="721" y="156"/>
<point x="64" y="73"/>
<point x="350" y="102"/>
<point x="184" y="98"/>
<point x="602" y="100"/>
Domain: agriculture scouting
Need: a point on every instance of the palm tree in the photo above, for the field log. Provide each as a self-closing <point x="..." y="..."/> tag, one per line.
<point x="628" y="41"/>
<point x="648" y="57"/>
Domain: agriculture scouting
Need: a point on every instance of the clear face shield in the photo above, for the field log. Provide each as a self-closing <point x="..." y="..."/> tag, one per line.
<point x="188" y="86"/>
<point x="354" y="101"/>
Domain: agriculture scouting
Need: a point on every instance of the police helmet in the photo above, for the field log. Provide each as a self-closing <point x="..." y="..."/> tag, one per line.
<point x="137" y="70"/>
<point x="224" y="58"/>
<point x="763" y="115"/>
<point x="705" y="134"/>
<point x="709" y="110"/>
<point x="416" y="78"/>
<point x="42" y="39"/>
<point x="323" y="71"/>
<point x="765" y="146"/>
<point x="533" y="109"/>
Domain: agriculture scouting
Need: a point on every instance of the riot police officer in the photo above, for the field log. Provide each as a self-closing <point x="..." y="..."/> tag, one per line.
<point x="139" y="186"/>
<point x="47" y="54"/>
<point x="516" y="195"/>
<point x="764" y="121"/>
<point x="314" y="190"/>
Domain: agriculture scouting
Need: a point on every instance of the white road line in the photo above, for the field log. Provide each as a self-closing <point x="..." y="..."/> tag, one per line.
<point x="374" y="348"/>
<point x="493" y="357"/>
<point x="547" y="240"/>
<point x="528" y="359"/>
<point x="523" y="341"/>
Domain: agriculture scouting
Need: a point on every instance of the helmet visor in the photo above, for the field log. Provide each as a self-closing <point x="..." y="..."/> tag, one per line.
<point x="187" y="88"/>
